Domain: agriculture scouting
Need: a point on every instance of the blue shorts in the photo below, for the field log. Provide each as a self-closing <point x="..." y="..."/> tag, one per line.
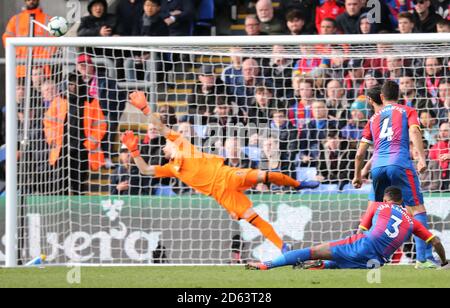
<point x="403" y="178"/>
<point x="355" y="252"/>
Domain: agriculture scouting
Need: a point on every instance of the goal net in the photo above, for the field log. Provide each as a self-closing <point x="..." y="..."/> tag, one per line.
<point x="285" y="104"/>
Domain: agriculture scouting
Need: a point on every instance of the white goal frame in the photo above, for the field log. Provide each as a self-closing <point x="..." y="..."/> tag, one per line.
<point x="11" y="243"/>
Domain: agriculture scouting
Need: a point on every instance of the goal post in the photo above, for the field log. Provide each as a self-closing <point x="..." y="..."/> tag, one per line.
<point x="177" y="221"/>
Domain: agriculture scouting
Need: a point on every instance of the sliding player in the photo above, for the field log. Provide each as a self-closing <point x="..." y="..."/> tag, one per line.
<point x="390" y="131"/>
<point x="208" y="175"/>
<point x="388" y="225"/>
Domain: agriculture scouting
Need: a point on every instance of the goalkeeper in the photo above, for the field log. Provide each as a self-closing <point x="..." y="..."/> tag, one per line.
<point x="207" y="173"/>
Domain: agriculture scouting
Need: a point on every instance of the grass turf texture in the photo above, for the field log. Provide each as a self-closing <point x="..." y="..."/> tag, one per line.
<point x="220" y="277"/>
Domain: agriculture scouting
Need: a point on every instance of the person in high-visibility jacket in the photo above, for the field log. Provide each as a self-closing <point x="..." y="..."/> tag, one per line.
<point x="95" y="129"/>
<point x="19" y="26"/>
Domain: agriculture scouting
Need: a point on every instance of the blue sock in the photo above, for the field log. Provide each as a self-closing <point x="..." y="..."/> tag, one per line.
<point x="330" y="265"/>
<point x="423" y="250"/>
<point x="290" y="258"/>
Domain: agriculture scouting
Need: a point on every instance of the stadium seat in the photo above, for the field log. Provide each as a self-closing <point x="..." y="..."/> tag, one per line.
<point x="365" y="189"/>
<point x="253" y="153"/>
<point x="164" y="191"/>
<point x="306" y="174"/>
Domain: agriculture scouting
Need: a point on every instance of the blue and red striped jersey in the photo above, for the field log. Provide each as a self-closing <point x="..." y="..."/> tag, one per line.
<point x="389" y="226"/>
<point x="388" y="131"/>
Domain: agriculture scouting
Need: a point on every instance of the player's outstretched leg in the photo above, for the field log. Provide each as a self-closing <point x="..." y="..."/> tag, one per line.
<point x="290" y="258"/>
<point x="425" y="258"/>
<point x="257" y="176"/>
<point x="268" y="231"/>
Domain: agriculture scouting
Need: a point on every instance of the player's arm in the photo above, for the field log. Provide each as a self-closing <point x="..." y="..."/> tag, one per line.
<point x="138" y="100"/>
<point x="424" y="234"/>
<point x="359" y="163"/>
<point x="416" y="137"/>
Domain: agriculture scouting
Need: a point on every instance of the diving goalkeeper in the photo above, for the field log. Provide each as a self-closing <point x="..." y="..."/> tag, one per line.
<point x="207" y="173"/>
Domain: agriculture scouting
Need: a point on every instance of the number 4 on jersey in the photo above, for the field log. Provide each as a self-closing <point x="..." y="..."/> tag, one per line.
<point x="386" y="130"/>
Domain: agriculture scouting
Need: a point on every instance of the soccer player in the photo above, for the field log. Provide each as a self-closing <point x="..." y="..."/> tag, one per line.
<point x="390" y="131"/>
<point x="388" y="225"/>
<point x="207" y="173"/>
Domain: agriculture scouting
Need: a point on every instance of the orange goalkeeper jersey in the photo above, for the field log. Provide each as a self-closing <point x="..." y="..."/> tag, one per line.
<point x="203" y="172"/>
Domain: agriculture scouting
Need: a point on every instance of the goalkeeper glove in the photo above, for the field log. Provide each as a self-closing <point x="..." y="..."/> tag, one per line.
<point x="138" y="100"/>
<point x="132" y="143"/>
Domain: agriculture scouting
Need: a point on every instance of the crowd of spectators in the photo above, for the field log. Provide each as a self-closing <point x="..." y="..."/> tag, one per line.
<point x="300" y="113"/>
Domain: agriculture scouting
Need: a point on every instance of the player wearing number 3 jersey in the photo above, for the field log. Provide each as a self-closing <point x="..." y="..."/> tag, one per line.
<point x="390" y="131"/>
<point x="387" y="225"/>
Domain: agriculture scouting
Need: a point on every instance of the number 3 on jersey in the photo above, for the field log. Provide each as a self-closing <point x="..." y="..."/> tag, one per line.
<point x="386" y="130"/>
<point x="395" y="226"/>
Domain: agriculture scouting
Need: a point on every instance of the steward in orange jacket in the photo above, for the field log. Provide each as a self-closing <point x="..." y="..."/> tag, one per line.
<point x="19" y="26"/>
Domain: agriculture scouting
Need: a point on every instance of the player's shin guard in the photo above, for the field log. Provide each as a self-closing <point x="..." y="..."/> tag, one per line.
<point x="290" y="258"/>
<point x="280" y="179"/>
<point x="267" y="230"/>
<point x="424" y="251"/>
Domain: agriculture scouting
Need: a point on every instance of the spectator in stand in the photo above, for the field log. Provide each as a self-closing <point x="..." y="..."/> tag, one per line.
<point x="232" y="74"/>
<point x="425" y="16"/>
<point x="440" y="152"/>
<point x="179" y="16"/>
<point x="307" y="7"/>
<point x="167" y="115"/>
<point x="335" y="161"/>
<point x="126" y="177"/>
<point x="270" y="22"/>
<point x="348" y="21"/>
<point x="329" y="9"/>
<point x="280" y="71"/>
<point x="79" y="155"/>
<point x="384" y="24"/>
<point x="287" y="134"/>
<point x="271" y="161"/>
<point x="411" y="94"/>
<point x="444" y="100"/>
<point x="406" y="23"/>
<point x="442" y="8"/>
<point x="398" y="7"/>
<point x="314" y="133"/>
<point x="150" y="23"/>
<point x="261" y="107"/>
<point x="218" y="124"/>
<point x="99" y="22"/>
<point x="337" y="104"/>
<point x="355" y="79"/>
<point x="365" y="26"/>
<point x="295" y="22"/>
<point x="233" y="154"/>
<point x="112" y="100"/>
<point x="434" y="72"/>
<point x="126" y="12"/>
<point x="245" y="91"/>
<point x="328" y="26"/>
<point x="306" y="64"/>
<point x="443" y="26"/>
<point x="395" y="67"/>
<point x="38" y="76"/>
<point x="49" y="93"/>
<point x="372" y="78"/>
<point x="253" y="26"/>
<point x="430" y="180"/>
<point x="300" y="106"/>
<point x="19" y="26"/>
<point x="430" y="126"/>
<point x="338" y="63"/>
<point x="359" y="118"/>
<point x="202" y="101"/>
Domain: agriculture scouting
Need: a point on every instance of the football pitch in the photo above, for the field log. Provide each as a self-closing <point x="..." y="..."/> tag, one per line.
<point x="219" y="277"/>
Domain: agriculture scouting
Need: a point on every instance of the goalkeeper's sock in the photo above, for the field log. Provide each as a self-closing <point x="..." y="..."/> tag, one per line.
<point x="267" y="230"/>
<point x="290" y="258"/>
<point x="280" y="179"/>
<point x="421" y="246"/>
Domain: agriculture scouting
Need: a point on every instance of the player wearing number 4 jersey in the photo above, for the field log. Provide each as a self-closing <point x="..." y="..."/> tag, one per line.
<point x="390" y="131"/>
<point x="208" y="175"/>
<point x="388" y="226"/>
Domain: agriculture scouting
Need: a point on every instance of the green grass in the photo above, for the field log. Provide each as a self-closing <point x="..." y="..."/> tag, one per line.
<point x="220" y="277"/>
